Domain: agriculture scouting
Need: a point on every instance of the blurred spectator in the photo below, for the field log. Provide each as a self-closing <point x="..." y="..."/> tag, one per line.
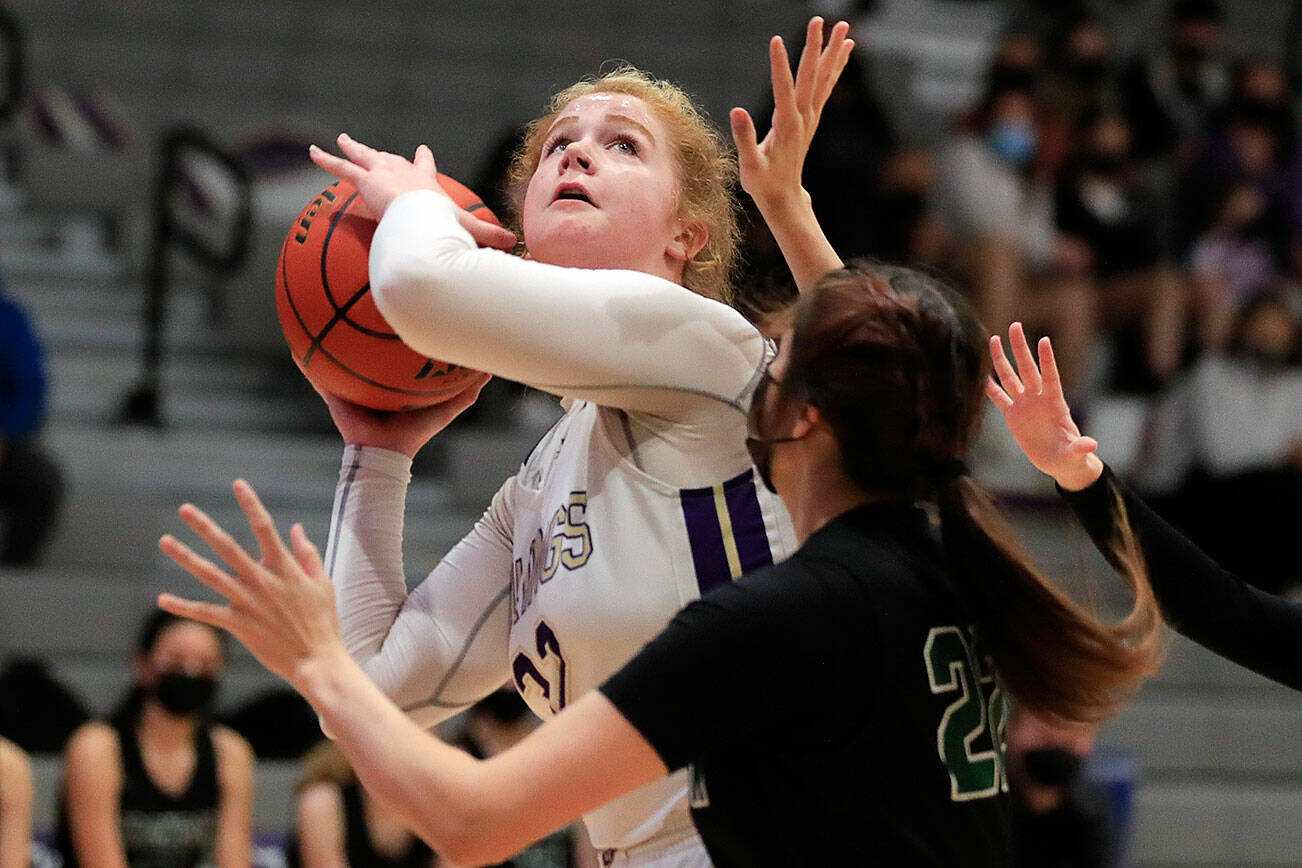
<point x="494" y="724"/>
<point x="30" y="482"/>
<point x="1234" y="261"/>
<point x="843" y="176"/>
<point x="339" y="824"/>
<point x="846" y="158"/>
<point x="1018" y="59"/>
<point x="1171" y="93"/>
<point x="1080" y="82"/>
<point x="1000" y="209"/>
<point x="276" y="722"/>
<point x="1102" y="202"/>
<point x="15" y="806"/>
<point x="37" y="711"/>
<point x="158" y="784"/>
<point x="1241" y="201"/>
<point x="1233" y="432"/>
<point x="1082" y="71"/>
<point x="1060" y="820"/>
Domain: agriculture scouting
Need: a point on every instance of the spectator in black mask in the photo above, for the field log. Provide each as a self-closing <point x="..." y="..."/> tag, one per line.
<point x="1170" y="95"/>
<point x="1060" y="819"/>
<point x="158" y="785"/>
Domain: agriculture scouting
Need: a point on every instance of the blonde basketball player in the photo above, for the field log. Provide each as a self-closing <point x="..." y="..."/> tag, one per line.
<point x="642" y="497"/>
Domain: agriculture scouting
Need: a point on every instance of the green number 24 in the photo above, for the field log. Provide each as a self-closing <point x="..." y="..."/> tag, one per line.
<point x="975" y="764"/>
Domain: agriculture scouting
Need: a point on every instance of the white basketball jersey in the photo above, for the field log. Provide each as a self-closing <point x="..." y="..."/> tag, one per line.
<point x="605" y="555"/>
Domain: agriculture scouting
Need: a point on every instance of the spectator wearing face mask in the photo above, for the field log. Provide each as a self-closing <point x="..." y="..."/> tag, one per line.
<point x="1102" y="201"/>
<point x="999" y="207"/>
<point x="1232" y="432"/>
<point x="1060" y="819"/>
<point x="157" y="785"/>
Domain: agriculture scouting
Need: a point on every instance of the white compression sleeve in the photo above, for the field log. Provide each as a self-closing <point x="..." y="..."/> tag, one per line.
<point x="442" y="647"/>
<point x="617" y="338"/>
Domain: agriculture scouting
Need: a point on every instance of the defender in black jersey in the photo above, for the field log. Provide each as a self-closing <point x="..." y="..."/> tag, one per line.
<point x="843" y="708"/>
<point x="835" y="708"/>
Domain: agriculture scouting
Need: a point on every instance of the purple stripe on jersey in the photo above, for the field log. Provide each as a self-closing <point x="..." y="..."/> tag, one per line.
<point x="748" y="528"/>
<point x="705" y="538"/>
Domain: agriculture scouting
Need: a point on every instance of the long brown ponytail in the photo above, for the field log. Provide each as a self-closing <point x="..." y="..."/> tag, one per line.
<point x="895" y="362"/>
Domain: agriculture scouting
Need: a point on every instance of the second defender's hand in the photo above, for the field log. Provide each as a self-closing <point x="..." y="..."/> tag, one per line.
<point x="1037" y="414"/>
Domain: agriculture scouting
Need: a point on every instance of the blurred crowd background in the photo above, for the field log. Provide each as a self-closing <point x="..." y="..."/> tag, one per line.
<point x="1122" y="175"/>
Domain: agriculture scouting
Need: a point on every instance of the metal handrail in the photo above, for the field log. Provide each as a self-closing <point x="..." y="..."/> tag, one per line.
<point x="142" y="403"/>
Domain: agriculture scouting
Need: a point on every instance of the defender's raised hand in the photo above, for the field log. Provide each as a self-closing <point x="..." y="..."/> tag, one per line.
<point x="280" y="607"/>
<point x="1037" y="414"/>
<point x="771" y="169"/>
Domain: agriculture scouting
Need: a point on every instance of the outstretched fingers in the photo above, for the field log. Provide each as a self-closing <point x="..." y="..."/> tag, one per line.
<point x="784" y="86"/>
<point x="1049" y="368"/>
<point x="363" y="155"/>
<point x="832" y="62"/>
<point x="998" y="396"/>
<point x="204" y="570"/>
<point x="260" y="522"/>
<point x="337" y="166"/>
<point x="211" y="614"/>
<point x="807" y="71"/>
<point x="1004" y="369"/>
<point x="1027" y="369"/>
<point x="743" y="134"/>
<point x="219" y="541"/>
<point x="306" y="552"/>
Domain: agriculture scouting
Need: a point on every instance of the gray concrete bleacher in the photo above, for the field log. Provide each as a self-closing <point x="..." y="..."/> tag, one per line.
<point x="1219" y="750"/>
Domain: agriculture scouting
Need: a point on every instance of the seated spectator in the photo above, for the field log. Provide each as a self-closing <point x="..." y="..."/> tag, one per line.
<point x="1235" y="426"/>
<point x="30" y="482"/>
<point x="1102" y="202"/>
<point x="1060" y="819"/>
<point x="339" y="824"/>
<point x="158" y="784"/>
<point x="1171" y="94"/>
<point x="495" y="723"/>
<point x="1080" y="81"/>
<point x="1233" y="262"/>
<point x="1082" y="68"/>
<point x="1000" y="209"/>
<point x="15" y="806"/>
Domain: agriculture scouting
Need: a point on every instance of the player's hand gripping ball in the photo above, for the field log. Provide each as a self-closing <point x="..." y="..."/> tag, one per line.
<point x="334" y="330"/>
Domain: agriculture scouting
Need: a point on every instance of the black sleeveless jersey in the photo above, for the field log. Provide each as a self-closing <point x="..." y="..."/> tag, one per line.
<point x="835" y="708"/>
<point x="160" y="830"/>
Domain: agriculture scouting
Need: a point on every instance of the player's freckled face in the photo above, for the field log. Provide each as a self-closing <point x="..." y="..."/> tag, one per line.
<point x="605" y="191"/>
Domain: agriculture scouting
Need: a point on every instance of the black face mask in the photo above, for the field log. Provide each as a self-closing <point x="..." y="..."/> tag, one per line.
<point x="759" y="446"/>
<point x="183" y="694"/>
<point x="1051" y="766"/>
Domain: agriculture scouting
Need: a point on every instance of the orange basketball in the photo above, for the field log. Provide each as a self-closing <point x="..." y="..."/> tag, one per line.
<point x="334" y="330"/>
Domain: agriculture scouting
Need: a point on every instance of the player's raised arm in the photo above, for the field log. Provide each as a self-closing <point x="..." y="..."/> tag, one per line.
<point x="771" y="169"/>
<point x="281" y="608"/>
